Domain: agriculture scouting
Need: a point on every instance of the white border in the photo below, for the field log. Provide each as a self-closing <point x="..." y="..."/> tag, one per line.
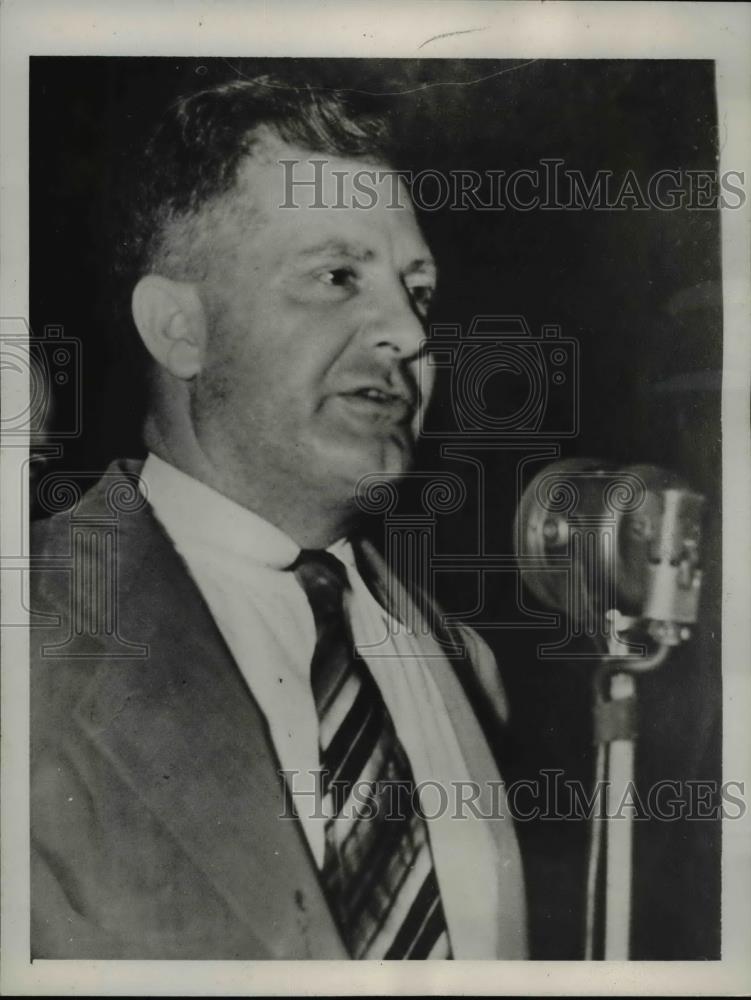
<point x="720" y="31"/>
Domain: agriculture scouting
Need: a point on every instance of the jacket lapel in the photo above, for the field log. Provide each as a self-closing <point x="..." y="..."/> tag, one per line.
<point x="183" y="731"/>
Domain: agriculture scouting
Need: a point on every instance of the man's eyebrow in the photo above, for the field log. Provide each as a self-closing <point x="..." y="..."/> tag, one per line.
<point x="338" y="248"/>
<point x="424" y="264"/>
<point x="359" y="252"/>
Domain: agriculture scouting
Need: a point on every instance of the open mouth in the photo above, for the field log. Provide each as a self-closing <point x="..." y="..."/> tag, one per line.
<point x="379" y="403"/>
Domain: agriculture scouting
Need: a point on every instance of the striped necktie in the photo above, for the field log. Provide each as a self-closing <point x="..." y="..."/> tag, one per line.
<point x="378" y="871"/>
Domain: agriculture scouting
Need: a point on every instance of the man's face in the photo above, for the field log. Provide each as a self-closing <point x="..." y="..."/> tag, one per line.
<point x="316" y="321"/>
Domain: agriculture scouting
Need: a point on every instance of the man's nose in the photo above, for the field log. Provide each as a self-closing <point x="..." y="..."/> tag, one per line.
<point x="396" y="328"/>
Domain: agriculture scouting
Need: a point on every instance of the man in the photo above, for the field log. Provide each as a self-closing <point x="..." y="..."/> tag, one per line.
<point x="209" y="776"/>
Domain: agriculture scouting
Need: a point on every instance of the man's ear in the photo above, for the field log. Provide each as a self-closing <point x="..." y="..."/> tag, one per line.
<point x="172" y="323"/>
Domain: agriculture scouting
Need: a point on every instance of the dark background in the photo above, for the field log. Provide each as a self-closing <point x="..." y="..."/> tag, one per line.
<point x="639" y="290"/>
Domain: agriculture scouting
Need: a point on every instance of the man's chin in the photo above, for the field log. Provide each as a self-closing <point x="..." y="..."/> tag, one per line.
<point x="350" y="467"/>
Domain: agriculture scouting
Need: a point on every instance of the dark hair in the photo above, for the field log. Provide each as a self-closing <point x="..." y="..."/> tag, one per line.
<point x="193" y="156"/>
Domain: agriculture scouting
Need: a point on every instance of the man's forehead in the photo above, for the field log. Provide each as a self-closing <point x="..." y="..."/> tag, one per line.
<point x="334" y="195"/>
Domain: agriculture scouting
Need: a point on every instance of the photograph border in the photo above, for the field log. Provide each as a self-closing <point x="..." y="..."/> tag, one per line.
<point x="408" y="29"/>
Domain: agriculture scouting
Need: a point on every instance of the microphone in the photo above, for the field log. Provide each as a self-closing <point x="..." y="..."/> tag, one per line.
<point x="600" y="543"/>
<point x="617" y="550"/>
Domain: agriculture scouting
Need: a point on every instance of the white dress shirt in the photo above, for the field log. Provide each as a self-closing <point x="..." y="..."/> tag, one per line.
<point x="238" y="561"/>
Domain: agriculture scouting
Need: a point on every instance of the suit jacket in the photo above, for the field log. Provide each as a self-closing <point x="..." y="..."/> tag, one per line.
<point x="157" y="825"/>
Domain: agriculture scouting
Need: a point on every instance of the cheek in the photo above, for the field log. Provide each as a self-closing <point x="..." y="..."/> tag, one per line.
<point x="276" y="348"/>
<point x="275" y="381"/>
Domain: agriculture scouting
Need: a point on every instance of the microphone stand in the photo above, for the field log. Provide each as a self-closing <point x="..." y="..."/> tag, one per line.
<point x="614" y="711"/>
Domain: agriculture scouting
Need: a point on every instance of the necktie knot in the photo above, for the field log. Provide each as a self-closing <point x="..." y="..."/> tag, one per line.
<point x="323" y="577"/>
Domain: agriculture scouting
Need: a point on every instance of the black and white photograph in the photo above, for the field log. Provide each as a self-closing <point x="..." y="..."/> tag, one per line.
<point x="376" y="484"/>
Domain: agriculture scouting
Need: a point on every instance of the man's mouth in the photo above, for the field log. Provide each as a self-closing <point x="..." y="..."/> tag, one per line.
<point x="378" y="403"/>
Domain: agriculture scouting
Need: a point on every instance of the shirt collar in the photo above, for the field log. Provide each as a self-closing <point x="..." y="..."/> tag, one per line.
<point x="196" y="515"/>
<point x="342" y="549"/>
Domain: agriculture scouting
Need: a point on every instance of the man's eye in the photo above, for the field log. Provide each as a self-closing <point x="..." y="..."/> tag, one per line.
<point x="422" y="296"/>
<point x="337" y="277"/>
